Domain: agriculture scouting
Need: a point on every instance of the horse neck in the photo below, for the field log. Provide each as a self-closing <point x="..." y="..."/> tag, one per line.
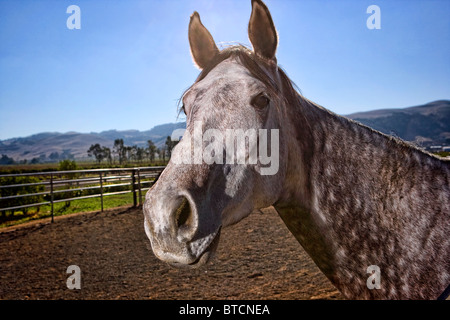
<point x="354" y="197"/>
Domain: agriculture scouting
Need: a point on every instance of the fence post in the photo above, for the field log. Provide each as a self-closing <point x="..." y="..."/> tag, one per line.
<point x="51" y="193"/>
<point x="139" y="186"/>
<point x="133" y="182"/>
<point x="101" y="189"/>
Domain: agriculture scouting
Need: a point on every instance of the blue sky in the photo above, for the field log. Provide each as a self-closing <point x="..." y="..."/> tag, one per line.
<point x="130" y="62"/>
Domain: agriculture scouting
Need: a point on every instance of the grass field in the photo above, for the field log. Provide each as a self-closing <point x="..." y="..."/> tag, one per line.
<point x="84" y="205"/>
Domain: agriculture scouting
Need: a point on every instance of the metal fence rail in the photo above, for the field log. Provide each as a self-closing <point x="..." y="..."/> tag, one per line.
<point x="65" y="186"/>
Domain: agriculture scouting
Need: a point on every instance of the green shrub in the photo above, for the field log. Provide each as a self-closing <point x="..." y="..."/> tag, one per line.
<point x="13" y="191"/>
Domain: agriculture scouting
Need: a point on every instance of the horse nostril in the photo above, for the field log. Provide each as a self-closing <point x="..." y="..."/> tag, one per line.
<point x="183" y="216"/>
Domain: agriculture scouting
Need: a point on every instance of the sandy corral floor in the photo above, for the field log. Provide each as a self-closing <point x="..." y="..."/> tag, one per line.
<point x="257" y="259"/>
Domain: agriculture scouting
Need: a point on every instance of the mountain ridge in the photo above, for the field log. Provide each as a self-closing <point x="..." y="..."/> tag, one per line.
<point x="424" y="125"/>
<point x="75" y="144"/>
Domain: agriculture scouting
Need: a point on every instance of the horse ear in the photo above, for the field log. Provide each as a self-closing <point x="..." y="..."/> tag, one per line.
<point x="203" y="47"/>
<point x="261" y="31"/>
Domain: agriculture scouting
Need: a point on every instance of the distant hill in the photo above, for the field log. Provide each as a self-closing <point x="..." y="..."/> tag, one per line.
<point x="75" y="144"/>
<point x="425" y="125"/>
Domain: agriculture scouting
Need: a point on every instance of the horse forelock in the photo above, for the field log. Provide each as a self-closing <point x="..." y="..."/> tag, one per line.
<point x="267" y="71"/>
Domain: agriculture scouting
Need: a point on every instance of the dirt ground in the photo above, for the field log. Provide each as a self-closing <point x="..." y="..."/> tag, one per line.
<point x="257" y="259"/>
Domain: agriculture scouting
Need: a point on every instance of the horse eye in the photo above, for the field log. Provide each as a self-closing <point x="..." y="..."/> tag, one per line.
<point x="260" y="101"/>
<point x="183" y="109"/>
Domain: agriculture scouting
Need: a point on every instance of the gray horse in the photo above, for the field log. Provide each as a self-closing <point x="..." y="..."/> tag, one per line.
<point x="371" y="211"/>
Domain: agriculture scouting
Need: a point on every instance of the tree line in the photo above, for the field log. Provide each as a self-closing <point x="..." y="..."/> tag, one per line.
<point x="124" y="154"/>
